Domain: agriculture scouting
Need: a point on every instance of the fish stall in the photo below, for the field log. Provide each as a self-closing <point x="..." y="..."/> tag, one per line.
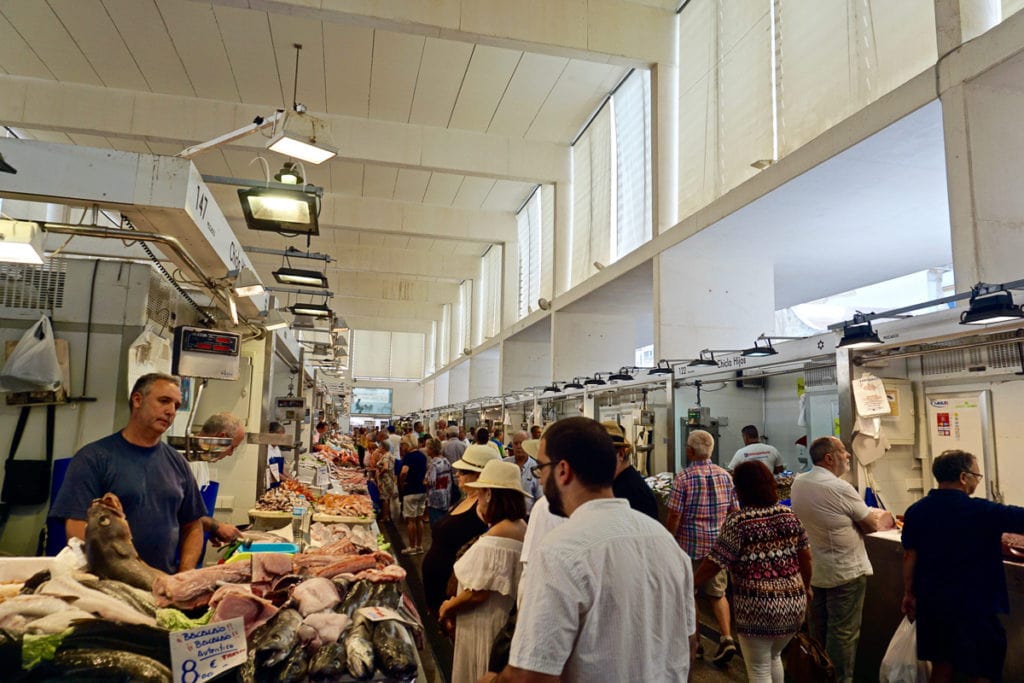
<point x="332" y="612"/>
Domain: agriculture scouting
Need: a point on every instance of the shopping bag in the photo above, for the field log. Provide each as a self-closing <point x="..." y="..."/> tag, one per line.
<point x="900" y="663"/>
<point x="805" y="661"/>
<point x="33" y="365"/>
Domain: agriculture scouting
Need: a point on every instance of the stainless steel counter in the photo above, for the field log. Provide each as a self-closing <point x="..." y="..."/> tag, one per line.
<point x="882" y="609"/>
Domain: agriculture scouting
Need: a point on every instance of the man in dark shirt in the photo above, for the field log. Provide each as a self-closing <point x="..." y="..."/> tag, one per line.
<point x="953" y="577"/>
<point x="629" y="483"/>
<point x="159" y="495"/>
<point x="414" y="492"/>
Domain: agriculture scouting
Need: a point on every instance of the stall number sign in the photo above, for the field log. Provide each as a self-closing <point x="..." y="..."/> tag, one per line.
<point x="199" y="654"/>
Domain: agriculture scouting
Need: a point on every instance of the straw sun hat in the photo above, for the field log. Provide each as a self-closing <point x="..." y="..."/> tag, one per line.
<point x="475" y="457"/>
<point x="499" y="474"/>
<point x="532" y="447"/>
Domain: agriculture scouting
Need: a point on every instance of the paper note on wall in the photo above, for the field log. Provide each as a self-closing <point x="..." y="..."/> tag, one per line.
<point x="870" y="396"/>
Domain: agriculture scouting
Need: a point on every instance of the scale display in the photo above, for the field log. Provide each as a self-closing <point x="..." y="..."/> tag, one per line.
<point x="289" y="408"/>
<point x="212" y="354"/>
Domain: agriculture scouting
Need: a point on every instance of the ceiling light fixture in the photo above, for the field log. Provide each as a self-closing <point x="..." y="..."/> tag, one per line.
<point x="858" y="333"/>
<point x="232" y="309"/>
<point x="760" y="350"/>
<point x="312" y="310"/>
<point x="662" y="368"/>
<point x="552" y="389"/>
<point x="622" y="375"/>
<point x="299" y="276"/>
<point x="283" y="211"/>
<point x="574" y="384"/>
<point x="991" y="304"/>
<point x="706" y="359"/>
<point x="21" y="242"/>
<point x="298" y="134"/>
<point x="274" y="321"/>
<point x="289" y="174"/>
<point x="246" y="283"/>
<point x="594" y="381"/>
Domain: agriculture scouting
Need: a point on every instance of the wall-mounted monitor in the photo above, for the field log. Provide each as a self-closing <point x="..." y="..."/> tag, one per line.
<point x="371" y="401"/>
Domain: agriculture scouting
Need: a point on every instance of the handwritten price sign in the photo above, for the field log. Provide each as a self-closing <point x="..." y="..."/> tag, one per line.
<point x="201" y="653"/>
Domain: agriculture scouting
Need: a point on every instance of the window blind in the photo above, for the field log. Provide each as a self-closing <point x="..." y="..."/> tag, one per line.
<point x="430" y="352"/>
<point x="463" y="319"/>
<point x="633" y="162"/>
<point x="371" y="353"/>
<point x="547" y="241"/>
<point x="530" y="242"/>
<point x="406" y="355"/>
<point x="592" y="177"/>
<point x="487" y="320"/>
<point x="444" y="344"/>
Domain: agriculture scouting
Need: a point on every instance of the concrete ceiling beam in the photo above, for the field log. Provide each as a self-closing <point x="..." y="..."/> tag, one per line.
<point x="170" y="119"/>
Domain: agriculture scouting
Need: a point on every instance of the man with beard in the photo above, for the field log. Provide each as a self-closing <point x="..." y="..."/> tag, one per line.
<point x="159" y="495"/>
<point x="836" y="518"/>
<point x="605" y="575"/>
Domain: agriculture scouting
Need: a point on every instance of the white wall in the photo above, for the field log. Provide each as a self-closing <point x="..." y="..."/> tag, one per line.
<point x="525" y="364"/>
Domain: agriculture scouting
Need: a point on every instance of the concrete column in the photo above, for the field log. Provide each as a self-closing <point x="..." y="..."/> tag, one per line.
<point x="957" y="21"/>
<point x="983" y="140"/>
<point x="711" y="296"/>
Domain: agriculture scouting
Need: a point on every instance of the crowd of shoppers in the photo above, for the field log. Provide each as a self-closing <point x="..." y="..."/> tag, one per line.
<point x="562" y="532"/>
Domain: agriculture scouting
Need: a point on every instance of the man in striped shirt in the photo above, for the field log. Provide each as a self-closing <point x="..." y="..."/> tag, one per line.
<point x="702" y="495"/>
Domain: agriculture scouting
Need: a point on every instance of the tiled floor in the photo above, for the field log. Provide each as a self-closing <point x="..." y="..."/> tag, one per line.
<point x="437" y="654"/>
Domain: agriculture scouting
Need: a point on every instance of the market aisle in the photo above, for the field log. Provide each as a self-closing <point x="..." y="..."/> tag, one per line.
<point x="437" y="655"/>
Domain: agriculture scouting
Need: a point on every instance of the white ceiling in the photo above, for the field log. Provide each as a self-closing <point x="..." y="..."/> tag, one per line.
<point x="216" y="54"/>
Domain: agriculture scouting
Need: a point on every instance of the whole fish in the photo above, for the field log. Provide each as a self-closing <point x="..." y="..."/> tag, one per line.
<point x="100" y="634"/>
<point x="295" y="667"/>
<point x="280" y="638"/>
<point x="136" y="597"/>
<point x="394" y="648"/>
<point x="109" y="548"/>
<point x="359" y="649"/>
<point x="94" y="601"/>
<point x="328" y="663"/>
<point x="108" y="664"/>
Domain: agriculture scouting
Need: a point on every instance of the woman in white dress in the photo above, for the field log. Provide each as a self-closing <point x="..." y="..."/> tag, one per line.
<point x="488" y="573"/>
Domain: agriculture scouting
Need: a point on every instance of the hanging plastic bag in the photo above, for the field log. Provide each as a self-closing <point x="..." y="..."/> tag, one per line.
<point x="900" y="663"/>
<point x="148" y="353"/>
<point x="33" y="366"/>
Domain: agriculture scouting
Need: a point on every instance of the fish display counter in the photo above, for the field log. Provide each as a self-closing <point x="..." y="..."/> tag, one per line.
<point x="335" y="612"/>
<point x="884" y="595"/>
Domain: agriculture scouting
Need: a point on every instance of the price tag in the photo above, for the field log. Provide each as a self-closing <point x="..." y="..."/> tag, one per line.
<point x="323" y="476"/>
<point x="376" y="613"/>
<point x="199" y="654"/>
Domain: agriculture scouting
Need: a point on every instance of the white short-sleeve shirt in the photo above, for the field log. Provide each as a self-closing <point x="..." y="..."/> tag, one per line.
<point x="829" y="508"/>
<point x="769" y="455"/>
<point x="607" y="596"/>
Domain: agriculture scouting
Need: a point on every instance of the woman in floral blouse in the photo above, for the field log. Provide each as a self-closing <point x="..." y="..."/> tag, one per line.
<point x="765" y="549"/>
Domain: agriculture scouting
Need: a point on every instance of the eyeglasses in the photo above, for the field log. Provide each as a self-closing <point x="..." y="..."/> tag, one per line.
<point x="536" y="469"/>
<point x="974" y="474"/>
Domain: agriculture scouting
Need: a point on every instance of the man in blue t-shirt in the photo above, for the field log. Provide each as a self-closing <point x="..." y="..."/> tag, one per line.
<point x="953" y="575"/>
<point x="159" y="495"/>
<point x="414" y="492"/>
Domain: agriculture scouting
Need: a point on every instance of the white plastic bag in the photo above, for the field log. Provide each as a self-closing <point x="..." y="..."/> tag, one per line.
<point x="900" y="663"/>
<point x="33" y="366"/>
